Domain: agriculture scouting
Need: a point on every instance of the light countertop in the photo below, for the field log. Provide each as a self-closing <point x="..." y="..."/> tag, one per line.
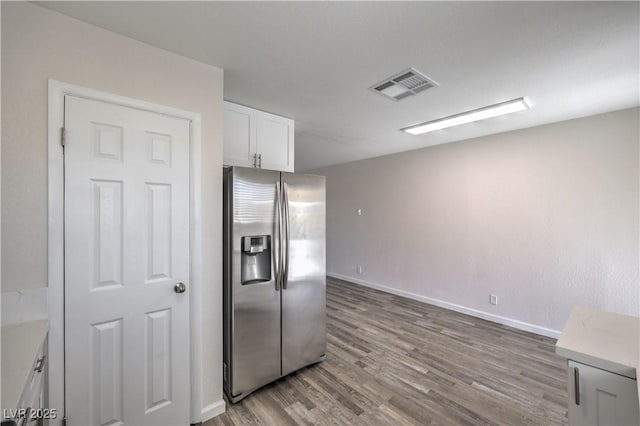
<point x="603" y="340"/>
<point x="20" y="345"/>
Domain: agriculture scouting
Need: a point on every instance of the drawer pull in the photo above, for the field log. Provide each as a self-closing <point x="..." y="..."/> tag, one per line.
<point x="40" y="364"/>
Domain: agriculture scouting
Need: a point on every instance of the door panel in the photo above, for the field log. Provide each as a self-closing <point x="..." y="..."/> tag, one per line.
<point x="157" y="365"/>
<point x="303" y="300"/>
<point x="106" y="376"/>
<point x="255" y="313"/>
<point x="108" y="247"/>
<point x="126" y="246"/>
<point x="158" y="232"/>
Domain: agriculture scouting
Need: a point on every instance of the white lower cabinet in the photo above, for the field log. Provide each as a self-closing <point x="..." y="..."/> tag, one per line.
<point x="254" y="138"/>
<point x="600" y="397"/>
<point x="33" y="393"/>
<point x="24" y="367"/>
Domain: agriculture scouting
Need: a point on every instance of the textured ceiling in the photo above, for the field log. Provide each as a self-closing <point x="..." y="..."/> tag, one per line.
<point x="313" y="61"/>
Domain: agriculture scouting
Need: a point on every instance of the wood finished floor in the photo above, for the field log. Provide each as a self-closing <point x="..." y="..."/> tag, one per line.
<point x="392" y="361"/>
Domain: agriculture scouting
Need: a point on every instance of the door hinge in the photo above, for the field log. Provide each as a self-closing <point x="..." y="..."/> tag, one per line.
<point x="63" y="136"/>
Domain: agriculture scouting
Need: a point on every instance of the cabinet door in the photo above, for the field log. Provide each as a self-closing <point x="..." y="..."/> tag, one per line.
<point x="239" y="135"/>
<point x="604" y="398"/>
<point x="275" y="142"/>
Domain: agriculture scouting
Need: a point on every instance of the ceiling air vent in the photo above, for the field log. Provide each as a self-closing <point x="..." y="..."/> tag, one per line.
<point x="404" y="84"/>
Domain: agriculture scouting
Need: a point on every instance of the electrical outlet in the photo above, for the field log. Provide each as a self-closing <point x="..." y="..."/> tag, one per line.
<point x="359" y="269"/>
<point x="493" y="299"/>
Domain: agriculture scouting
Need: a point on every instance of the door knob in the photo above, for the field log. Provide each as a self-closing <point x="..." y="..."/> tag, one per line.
<point x="180" y="288"/>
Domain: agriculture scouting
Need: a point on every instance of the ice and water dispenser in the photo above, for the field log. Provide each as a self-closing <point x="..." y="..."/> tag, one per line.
<point x="256" y="259"/>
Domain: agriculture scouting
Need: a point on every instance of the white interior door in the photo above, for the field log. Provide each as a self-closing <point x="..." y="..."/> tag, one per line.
<point x="126" y="247"/>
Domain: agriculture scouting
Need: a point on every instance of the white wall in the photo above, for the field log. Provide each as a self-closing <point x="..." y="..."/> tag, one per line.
<point x="38" y="44"/>
<point x="545" y="218"/>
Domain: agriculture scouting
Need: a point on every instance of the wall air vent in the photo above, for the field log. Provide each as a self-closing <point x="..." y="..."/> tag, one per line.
<point x="404" y="84"/>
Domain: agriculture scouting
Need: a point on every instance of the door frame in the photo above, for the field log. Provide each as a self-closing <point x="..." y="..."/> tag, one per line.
<point x="55" y="237"/>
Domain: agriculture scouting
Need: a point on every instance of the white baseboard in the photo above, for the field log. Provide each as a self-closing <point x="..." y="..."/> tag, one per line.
<point x="520" y="325"/>
<point x="213" y="410"/>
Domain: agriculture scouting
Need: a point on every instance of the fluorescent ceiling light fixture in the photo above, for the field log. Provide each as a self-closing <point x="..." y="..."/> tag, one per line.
<point x="503" y="108"/>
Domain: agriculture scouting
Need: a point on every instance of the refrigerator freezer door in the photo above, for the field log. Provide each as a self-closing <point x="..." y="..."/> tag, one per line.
<point x="254" y="331"/>
<point x="304" y="298"/>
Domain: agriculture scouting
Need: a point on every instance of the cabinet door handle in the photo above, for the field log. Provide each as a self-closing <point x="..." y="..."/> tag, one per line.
<point x="255" y="160"/>
<point x="576" y="384"/>
<point x="259" y="161"/>
<point x="40" y="364"/>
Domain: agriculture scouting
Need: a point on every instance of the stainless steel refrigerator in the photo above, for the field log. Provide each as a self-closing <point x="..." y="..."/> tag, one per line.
<point x="274" y="276"/>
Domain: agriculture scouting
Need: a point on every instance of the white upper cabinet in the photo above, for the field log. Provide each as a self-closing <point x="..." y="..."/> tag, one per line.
<point x="275" y="142"/>
<point x="258" y="139"/>
<point x="239" y="135"/>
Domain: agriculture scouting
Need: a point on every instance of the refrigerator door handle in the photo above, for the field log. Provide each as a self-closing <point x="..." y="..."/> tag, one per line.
<point x="285" y="258"/>
<point x="278" y="237"/>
